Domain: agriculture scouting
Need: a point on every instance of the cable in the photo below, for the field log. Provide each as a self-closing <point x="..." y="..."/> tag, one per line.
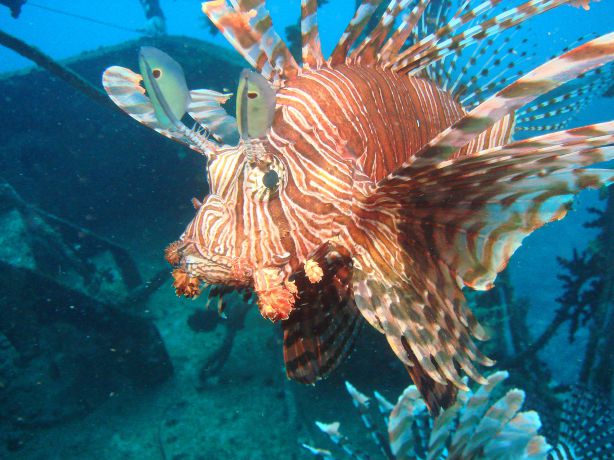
<point x="85" y="18"/>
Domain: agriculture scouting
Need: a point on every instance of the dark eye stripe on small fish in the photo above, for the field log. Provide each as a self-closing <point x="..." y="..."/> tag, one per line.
<point x="165" y="84"/>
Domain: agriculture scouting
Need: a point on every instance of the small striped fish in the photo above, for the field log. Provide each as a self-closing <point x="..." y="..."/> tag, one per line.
<point x="362" y="186"/>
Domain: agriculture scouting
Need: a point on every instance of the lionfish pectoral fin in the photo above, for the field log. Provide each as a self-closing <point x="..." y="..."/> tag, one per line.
<point x="436" y="396"/>
<point x="458" y="222"/>
<point x="423" y="316"/>
<point x="507" y="193"/>
<point x="124" y="88"/>
<point x="206" y="109"/>
<point x="468" y="214"/>
<point x="323" y="326"/>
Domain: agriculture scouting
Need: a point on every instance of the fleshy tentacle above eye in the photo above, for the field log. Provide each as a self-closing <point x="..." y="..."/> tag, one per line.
<point x="162" y="106"/>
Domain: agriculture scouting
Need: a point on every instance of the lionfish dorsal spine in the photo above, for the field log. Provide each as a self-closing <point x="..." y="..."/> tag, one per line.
<point x="442" y="43"/>
<point x="311" y="47"/>
<point x="527" y="88"/>
<point x="427" y="43"/>
<point x="353" y="30"/>
<point x="235" y="27"/>
<point x="366" y="52"/>
<point x="402" y="32"/>
<point x="275" y="48"/>
<point x="248" y="26"/>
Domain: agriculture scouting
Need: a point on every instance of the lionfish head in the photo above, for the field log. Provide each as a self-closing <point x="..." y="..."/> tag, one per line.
<point x="239" y="235"/>
<point x="234" y="230"/>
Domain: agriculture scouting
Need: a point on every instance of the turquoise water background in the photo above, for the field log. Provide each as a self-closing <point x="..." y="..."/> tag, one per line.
<point x="533" y="269"/>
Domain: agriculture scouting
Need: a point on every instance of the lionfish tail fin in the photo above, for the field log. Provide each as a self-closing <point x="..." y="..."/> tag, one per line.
<point x="248" y="27"/>
<point x="322" y="328"/>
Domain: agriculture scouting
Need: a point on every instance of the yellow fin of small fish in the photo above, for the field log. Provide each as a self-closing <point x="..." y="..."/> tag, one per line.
<point x="255" y="105"/>
<point x="166" y="86"/>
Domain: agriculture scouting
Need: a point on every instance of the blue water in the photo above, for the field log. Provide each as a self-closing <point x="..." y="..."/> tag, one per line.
<point x="61" y="36"/>
<point x="248" y="410"/>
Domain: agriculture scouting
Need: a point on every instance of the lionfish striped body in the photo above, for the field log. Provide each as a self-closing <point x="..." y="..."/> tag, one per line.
<point x="389" y="195"/>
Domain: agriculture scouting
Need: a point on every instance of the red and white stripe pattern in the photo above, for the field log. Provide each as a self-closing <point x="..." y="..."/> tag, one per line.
<point x="419" y="196"/>
<point x="312" y="49"/>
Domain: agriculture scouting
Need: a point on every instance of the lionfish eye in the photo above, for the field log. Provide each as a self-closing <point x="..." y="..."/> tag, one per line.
<point x="252" y="95"/>
<point x="270" y="179"/>
<point x="156" y="73"/>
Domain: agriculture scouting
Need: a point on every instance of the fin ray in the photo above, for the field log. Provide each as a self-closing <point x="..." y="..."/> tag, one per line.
<point x="312" y="48"/>
<point x="205" y="108"/>
<point x="542" y="80"/>
<point x="123" y="87"/>
<point x="353" y="31"/>
<point x="322" y="328"/>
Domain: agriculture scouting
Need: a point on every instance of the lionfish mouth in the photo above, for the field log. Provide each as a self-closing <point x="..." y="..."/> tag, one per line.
<point x="194" y="267"/>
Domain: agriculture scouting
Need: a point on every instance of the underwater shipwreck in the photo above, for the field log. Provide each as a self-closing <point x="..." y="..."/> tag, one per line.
<point x="308" y="226"/>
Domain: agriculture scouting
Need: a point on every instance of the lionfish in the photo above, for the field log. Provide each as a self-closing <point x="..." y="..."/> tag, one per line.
<point x="360" y="185"/>
<point x="479" y="425"/>
<point x="484" y="424"/>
